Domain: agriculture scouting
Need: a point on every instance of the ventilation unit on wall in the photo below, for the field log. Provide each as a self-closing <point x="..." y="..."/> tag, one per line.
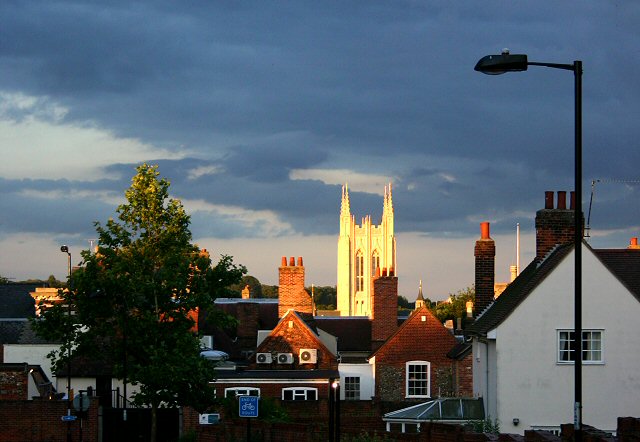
<point x="308" y="355"/>
<point x="285" y="358"/>
<point x="209" y="419"/>
<point x="264" y="358"/>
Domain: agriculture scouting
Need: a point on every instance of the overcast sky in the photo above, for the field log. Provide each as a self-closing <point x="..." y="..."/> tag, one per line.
<point x="258" y="112"/>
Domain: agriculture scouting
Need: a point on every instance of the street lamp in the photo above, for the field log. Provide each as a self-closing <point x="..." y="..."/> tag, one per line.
<point x="506" y="62"/>
<point x="65" y="249"/>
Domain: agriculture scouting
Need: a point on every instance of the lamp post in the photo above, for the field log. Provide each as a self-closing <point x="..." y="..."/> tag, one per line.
<point x="506" y="62"/>
<point x="336" y="389"/>
<point x="65" y="249"/>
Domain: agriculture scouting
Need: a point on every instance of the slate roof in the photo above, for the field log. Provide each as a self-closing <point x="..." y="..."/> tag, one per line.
<point x="18" y="331"/>
<point x="622" y="263"/>
<point x="517" y="291"/>
<point x="16" y="302"/>
<point x="625" y="265"/>
<point x="353" y="333"/>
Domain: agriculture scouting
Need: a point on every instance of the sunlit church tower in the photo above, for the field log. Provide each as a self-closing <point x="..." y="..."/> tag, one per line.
<point x="361" y="250"/>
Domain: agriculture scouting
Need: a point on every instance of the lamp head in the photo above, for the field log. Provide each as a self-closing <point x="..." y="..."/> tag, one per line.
<point x="64" y="249"/>
<point x="499" y="64"/>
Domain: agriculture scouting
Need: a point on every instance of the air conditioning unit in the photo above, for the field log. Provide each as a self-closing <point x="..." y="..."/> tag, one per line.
<point x="264" y="358"/>
<point x="308" y="355"/>
<point x="285" y="358"/>
<point x="209" y="419"/>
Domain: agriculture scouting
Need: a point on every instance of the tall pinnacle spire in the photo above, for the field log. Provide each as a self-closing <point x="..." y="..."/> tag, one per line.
<point x="345" y="207"/>
<point x="388" y="201"/>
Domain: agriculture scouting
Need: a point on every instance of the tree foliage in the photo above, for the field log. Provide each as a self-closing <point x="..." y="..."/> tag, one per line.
<point x="456" y="306"/>
<point x="324" y="297"/>
<point x="134" y="299"/>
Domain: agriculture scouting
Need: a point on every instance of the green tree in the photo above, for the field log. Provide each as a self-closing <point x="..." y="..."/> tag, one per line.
<point x="134" y="299"/>
<point x="55" y="283"/>
<point x="4" y="280"/>
<point x="269" y="291"/>
<point x="255" y="288"/>
<point x="324" y="297"/>
<point x="456" y="306"/>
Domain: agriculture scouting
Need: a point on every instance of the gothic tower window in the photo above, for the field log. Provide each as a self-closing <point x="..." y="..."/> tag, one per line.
<point x="375" y="262"/>
<point x="359" y="271"/>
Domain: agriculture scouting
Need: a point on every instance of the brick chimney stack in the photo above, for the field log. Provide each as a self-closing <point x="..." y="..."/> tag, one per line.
<point x="485" y="253"/>
<point x="633" y="243"/>
<point x="291" y="292"/>
<point x="384" y="309"/>
<point x="554" y="225"/>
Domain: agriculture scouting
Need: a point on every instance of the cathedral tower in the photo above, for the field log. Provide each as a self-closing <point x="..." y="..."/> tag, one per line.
<point x="363" y="250"/>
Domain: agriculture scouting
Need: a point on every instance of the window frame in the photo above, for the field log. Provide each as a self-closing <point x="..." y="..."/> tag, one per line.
<point x="351" y="393"/>
<point x="566" y="356"/>
<point x="247" y="391"/>
<point x="299" y="393"/>
<point x="409" y="365"/>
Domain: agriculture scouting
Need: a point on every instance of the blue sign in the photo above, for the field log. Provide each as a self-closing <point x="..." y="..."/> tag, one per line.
<point x="248" y="406"/>
<point x="69" y="418"/>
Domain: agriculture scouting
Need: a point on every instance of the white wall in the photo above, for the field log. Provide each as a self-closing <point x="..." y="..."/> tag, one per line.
<point x="31" y="354"/>
<point x="365" y="372"/>
<point x="533" y="387"/>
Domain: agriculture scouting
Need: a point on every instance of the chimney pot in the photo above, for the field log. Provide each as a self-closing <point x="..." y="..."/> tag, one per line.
<point x="562" y="200"/>
<point x="548" y="200"/>
<point x="572" y="198"/>
<point x="300" y="261"/>
<point x="292" y="262"/>
<point x="485" y="230"/>
<point x="284" y="261"/>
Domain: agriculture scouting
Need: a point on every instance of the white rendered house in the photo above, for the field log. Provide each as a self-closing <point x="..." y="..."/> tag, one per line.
<point x="523" y="343"/>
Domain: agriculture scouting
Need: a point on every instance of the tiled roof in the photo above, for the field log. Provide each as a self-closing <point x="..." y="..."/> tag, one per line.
<point x="517" y="291"/>
<point x="16" y="302"/>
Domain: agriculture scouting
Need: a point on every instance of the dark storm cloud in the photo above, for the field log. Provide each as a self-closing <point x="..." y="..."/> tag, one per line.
<point x="256" y="90"/>
<point x="48" y="206"/>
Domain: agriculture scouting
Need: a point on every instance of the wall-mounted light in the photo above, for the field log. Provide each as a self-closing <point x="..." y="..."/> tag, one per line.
<point x="516" y="421"/>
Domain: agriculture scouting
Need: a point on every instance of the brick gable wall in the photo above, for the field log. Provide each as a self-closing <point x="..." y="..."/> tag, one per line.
<point x="290" y="335"/>
<point x="420" y="340"/>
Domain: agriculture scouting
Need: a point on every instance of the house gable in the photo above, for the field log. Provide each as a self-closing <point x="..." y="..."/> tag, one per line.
<point x="420" y="338"/>
<point x="527" y="362"/>
<point x="290" y="336"/>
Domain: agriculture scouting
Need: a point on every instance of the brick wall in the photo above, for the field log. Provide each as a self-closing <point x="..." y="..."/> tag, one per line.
<point x="14" y="382"/>
<point x="40" y="420"/>
<point x="421" y="338"/>
<point x="290" y="335"/>
<point x="291" y="292"/>
<point x="248" y="315"/>
<point x="384" y="311"/>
